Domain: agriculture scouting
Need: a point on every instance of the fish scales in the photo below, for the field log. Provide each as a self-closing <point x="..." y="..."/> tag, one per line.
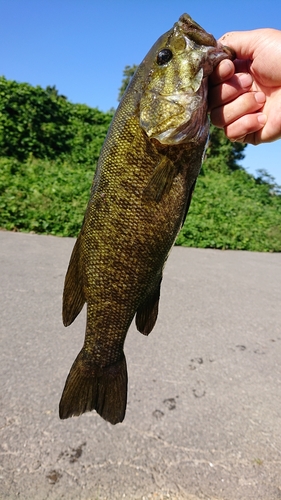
<point x="141" y="193"/>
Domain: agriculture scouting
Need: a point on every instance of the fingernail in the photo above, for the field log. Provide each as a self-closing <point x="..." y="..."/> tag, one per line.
<point x="226" y="67"/>
<point x="245" y="80"/>
<point x="260" y="97"/>
<point x="262" y="119"/>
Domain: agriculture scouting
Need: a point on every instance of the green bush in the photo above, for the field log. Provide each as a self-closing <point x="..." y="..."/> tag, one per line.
<point x="228" y="211"/>
<point x="43" y="196"/>
<point x="48" y="151"/>
<point x="40" y="122"/>
<point x="32" y="120"/>
<point x="233" y="211"/>
<point x="89" y="127"/>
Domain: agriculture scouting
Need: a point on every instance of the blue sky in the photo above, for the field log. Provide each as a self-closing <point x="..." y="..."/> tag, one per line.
<point x="82" y="46"/>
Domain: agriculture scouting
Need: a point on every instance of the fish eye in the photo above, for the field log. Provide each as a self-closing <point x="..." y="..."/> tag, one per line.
<point x="164" y="56"/>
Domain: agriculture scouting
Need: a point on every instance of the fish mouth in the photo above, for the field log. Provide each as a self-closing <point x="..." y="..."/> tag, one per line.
<point x="182" y="116"/>
<point x="197" y="34"/>
<point x="173" y="104"/>
<point x="230" y="53"/>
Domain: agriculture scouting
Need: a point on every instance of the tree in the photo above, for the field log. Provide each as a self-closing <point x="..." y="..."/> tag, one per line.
<point x="128" y="74"/>
<point x="222" y="155"/>
<point x="53" y="91"/>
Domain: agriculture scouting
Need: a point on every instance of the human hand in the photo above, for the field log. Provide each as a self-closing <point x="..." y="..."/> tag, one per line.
<point x="245" y="95"/>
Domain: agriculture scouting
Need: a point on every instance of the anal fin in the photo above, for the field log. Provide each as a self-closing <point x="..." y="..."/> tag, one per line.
<point x="73" y="295"/>
<point x="148" y="311"/>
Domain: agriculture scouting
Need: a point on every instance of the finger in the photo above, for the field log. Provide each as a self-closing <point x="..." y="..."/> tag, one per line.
<point x="243" y="43"/>
<point x="226" y="92"/>
<point x="245" y="104"/>
<point x="245" y="128"/>
<point x="224" y="70"/>
<point x="242" y="66"/>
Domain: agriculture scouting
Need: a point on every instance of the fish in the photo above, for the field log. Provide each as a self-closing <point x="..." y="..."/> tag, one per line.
<point x="139" y="199"/>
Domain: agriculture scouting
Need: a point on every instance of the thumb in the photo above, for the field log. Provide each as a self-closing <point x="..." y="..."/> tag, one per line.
<point x="243" y="42"/>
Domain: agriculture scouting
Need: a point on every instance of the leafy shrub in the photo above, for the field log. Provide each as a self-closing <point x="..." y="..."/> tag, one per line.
<point x="32" y="120"/>
<point x="40" y="122"/>
<point x="43" y="196"/>
<point x="233" y="211"/>
<point x="48" y="151"/>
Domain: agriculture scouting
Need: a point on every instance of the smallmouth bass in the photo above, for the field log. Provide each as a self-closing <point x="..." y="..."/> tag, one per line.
<point x="140" y="196"/>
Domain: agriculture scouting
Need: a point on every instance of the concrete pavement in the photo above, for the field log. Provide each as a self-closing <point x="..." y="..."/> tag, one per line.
<point x="204" y="407"/>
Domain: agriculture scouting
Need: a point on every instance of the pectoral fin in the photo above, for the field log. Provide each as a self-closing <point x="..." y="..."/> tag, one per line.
<point x="73" y="295"/>
<point x="161" y="181"/>
<point x="147" y="312"/>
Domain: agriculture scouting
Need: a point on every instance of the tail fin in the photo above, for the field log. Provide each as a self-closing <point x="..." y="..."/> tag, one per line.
<point x="90" y="387"/>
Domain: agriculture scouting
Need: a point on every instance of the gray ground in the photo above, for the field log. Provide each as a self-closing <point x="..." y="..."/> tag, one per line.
<point x="204" y="408"/>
